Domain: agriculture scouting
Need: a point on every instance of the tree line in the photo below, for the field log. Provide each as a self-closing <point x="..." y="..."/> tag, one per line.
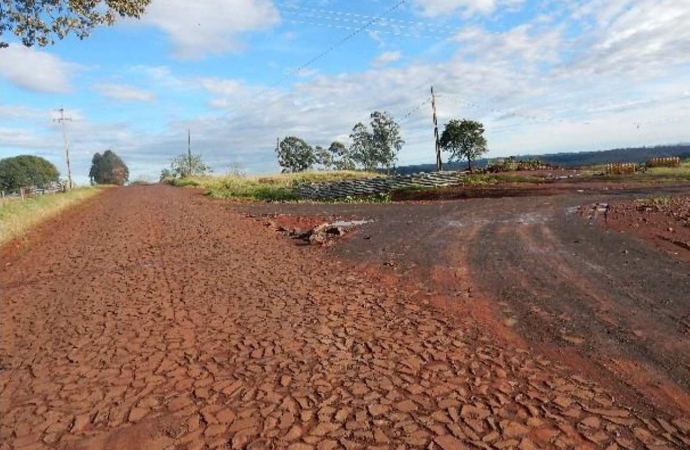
<point x="376" y="146"/>
<point x="373" y="147"/>
<point x="24" y="171"/>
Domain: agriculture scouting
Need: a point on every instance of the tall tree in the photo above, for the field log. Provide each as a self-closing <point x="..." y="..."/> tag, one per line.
<point x="464" y="139"/>
<point x="108" y="168"/>
<point x="362" y="147"/>
<point x="26" y="171"/>
<point x="386" y="138"/>
<point x="378" y="147"/>
<point x="295" y="155"/>
<point x="42" y="21"/>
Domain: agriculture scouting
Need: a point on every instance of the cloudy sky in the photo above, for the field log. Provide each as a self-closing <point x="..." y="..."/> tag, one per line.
<point x="542" y="75"/>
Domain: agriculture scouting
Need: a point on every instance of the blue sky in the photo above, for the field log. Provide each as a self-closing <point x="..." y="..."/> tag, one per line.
<point x="543" y="76"/>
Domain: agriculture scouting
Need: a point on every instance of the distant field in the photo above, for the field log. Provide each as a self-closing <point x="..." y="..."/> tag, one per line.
<point x="19" y="216"/>
<point x="270" y="187"/>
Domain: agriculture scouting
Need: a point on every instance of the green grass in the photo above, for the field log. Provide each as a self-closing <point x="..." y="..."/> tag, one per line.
<point x="482" y="179"/>
<point x="19" y="216"/>
<point x="681" y="172"/>
<point x="264" y="188"/>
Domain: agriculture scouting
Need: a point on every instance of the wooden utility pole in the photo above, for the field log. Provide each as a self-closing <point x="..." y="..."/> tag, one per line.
<point x="189" y="150"/>
<point x="439" y="163"/>
<point x="62" y="119"/>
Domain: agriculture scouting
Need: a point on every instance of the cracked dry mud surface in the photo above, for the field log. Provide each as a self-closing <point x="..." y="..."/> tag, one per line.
<point x="152" y="318"/>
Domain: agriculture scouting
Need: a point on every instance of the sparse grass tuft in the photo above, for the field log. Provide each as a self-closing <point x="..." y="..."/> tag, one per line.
<point x="17" y="216"/>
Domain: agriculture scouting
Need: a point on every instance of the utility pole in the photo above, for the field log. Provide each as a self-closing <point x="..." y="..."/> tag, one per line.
<point x="62" y="119"/>
<point x="439" y="163"/>
<point x="189" y="150"/>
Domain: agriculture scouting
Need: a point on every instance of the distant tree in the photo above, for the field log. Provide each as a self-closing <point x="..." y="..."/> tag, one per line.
<point x="166" y="174"/>
<point x="237" y="169"/>
<point x="295" y="155"/>
<point x="464" y="139"/>
<point x="108" y="168"/>
<point x="186" y="165"/>
<point x="341" y="156"/>
<point x="41" y="21"/>
<point x="323" y="157"/>
<point x="25" y="171"/>
<point x="378" y="147"/>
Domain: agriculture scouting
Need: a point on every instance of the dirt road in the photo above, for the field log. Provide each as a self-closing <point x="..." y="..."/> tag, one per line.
<point x="154" y="318"/>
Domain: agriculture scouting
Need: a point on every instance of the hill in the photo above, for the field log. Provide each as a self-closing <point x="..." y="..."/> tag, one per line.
<point x="631" y="154"/>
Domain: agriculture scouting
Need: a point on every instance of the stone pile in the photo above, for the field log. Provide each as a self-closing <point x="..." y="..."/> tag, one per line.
<point x="378" y="185"/>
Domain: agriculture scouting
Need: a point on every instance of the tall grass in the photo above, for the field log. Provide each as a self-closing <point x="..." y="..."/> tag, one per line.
<point x="19" y="216"/>
<point x="266" y="188"/>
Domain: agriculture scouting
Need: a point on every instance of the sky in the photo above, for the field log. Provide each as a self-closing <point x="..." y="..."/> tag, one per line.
<point x="542" y="76"/>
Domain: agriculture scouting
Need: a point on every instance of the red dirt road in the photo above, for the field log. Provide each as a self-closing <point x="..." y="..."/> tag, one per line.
<point x="153" y="318"/>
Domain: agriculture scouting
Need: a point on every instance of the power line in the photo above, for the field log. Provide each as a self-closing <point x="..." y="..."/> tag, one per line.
<point x="345" y="16"/>
<point x="334" y="46"/>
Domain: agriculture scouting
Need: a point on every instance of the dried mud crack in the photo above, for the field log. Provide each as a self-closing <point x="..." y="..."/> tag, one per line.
<point x="155" y="319"/>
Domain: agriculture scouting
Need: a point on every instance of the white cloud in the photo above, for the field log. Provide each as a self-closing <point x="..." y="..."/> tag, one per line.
<point x="437" y="8"/>
<point x="386" y="58"/>
<point x="212" y="26"/>
<point x="124" y="92"/>
<point x="521" y="45"/>
<point x="643" y="41"/>
<point x="36" y="70"/>
<point x="221" y="86"/>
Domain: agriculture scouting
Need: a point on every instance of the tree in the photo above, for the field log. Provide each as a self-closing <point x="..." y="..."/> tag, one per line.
<point x="108" y="168"/>
<point x="464" y="139"/>
<point x="41" y="21"/>
<point x="323" y="157"/>
<point x="166" y="175"/>
<point x="295" y="155"/>
<point x="378" y="147"/>
<point x="362" y="147"/>
<point x="341" y="156"/>
<point x="386" y="138"/>
<point x="186" y="165"/>
<point x="26" y="171"/>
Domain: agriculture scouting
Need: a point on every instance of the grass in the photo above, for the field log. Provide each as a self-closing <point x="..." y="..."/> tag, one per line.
<point x="481" y="179"/>
<point x="681" y="172"/>
<point x="264" y="188"/>
<point x="17" y="216"/>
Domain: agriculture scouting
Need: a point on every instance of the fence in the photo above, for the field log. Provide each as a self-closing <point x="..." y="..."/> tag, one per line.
<point x="30" y="192"/>
<point x="664" y="162"/>
<point x="621" y="168"/>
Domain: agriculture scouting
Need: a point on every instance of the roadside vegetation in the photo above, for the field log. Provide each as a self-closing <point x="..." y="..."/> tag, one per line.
<point x="263" y="188"/>
<point x="19" y="216"/>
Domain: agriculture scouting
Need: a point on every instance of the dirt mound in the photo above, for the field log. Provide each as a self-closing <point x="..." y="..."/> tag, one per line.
<point x="665" y="221"/>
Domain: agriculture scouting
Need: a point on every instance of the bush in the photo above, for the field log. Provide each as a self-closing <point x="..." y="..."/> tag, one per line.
<point x="26" y="171"/>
